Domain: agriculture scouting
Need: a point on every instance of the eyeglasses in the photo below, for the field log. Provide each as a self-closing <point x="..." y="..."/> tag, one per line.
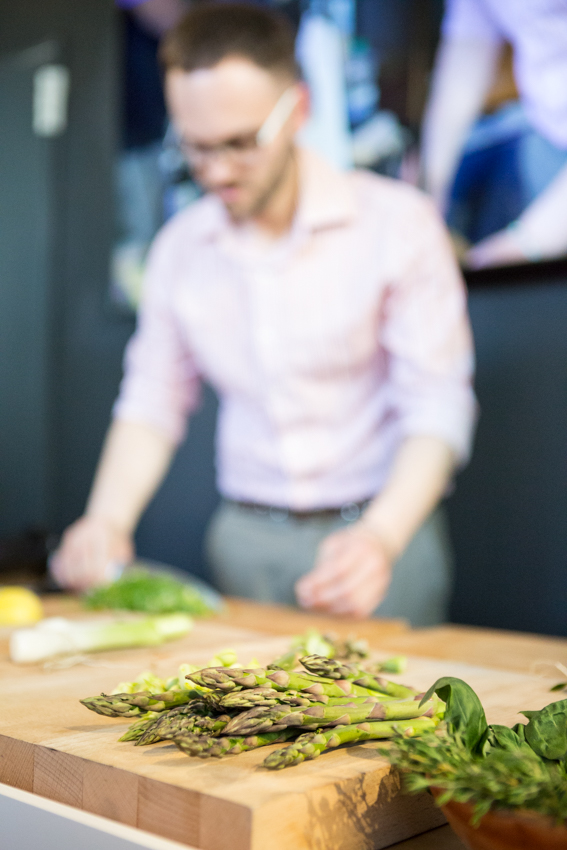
<point x="242" y="150"/>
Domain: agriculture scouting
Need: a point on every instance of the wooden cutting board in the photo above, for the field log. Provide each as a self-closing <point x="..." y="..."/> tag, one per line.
<point x="53" y="746"/>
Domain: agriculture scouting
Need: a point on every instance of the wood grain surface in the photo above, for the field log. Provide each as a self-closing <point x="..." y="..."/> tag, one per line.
<point x="284" y="620"/>
<point x="53" y="746"/>
<point x="525" y="653"/>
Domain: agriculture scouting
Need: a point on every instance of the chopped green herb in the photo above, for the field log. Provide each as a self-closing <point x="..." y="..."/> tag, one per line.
<point x="141" y="590"/>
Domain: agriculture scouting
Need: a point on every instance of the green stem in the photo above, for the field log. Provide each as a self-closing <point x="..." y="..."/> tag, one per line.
<point x="311" y="746"/>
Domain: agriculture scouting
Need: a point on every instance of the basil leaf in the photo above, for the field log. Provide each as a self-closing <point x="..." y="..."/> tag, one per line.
<point x="503" y="737"/>
<point x="546" y="733"/>
<point x="464" y="713"/>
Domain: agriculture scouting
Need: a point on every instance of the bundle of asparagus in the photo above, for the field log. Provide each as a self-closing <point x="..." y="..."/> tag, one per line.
<point x="230" y="710"/>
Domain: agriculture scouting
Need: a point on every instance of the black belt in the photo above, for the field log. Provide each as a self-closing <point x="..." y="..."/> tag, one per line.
<point x="349" y="512"/>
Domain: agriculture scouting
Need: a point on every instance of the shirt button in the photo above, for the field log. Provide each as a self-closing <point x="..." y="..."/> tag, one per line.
<point x="350" y="512"/>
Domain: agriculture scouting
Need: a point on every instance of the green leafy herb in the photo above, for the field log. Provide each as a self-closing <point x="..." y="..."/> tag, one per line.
<point x="546" y="733"/>
<point x="505" y="738"/>
<point x="464" y="713"/>
<point x="141" y="590"/>
<point x="502" y="779"/>
<point x="490" y="766"/>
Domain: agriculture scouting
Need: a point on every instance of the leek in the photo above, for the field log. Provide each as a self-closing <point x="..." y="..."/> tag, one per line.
<point x="58" y="636"/>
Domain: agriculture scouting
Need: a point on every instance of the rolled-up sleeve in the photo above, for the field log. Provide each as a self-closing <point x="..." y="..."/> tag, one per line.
<point x="428" y="340"/>
<point x="161" y="384"/>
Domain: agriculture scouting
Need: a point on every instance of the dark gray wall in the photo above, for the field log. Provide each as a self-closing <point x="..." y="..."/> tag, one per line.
<point x="61" y="342"/>
<point x="60" y="360"/>
<point x="509" y="511"/>
<point x="26" y="196"/>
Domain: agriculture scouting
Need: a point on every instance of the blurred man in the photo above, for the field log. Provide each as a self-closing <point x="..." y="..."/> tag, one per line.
<point x="474" y="33"/>
<point x="327" y="311"/>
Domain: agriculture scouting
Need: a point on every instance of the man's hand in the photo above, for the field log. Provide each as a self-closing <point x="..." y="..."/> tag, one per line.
<point x="88" y="548"/>
<point x="351" y="575"/>
<point x="133" y="462"/>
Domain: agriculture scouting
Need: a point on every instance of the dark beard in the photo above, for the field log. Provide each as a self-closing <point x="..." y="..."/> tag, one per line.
<point x="267" y="194"/>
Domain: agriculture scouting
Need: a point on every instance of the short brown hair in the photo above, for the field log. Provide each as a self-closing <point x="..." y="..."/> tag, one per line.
<point x="209" y="33"/>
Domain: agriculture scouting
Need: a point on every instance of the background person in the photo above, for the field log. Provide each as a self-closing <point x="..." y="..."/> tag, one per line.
<point x="327" y="311"/>
<point x="525" y="146"/>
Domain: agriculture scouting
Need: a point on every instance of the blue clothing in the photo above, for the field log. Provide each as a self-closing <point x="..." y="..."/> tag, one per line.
<point x="506" y="164"/>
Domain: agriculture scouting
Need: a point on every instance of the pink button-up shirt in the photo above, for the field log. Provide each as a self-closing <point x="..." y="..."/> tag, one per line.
<point x="327" y="347"/>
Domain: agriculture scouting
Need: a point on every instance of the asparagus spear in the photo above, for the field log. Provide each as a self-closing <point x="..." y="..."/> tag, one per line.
<point x="318" y="685"/>
<point x="200" y="726"/>
<point x="255" y="697"/>
<point x="251" y="697"/>
<point x="156" y="730"/>
<point x="274" y="718"/>
<point x="205" y="747"/>
<point x="144" y="731"/>
<point x="112" y="708"/>
<point x="332" y="669"/>
<point x="194" y="706"/>
<point x="138" y="728"/>
<point x="150" y="734"/>
<point x="309" y="746"/>
<point x="213" y="699"/>
<point x="164" y="701"/>
<point x="184" y="719"/>
<point x="229" y="680"/>
<point x="130" y="705"/>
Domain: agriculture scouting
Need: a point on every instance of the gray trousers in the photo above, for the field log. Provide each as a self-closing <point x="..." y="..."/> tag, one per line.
<point x="259" y="556"/>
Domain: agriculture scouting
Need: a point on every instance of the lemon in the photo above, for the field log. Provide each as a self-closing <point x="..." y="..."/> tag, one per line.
<point x="19" y="607"/>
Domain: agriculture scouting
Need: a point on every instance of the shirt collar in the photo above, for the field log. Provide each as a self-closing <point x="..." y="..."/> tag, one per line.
<point x="213" y="219"/>
<point x="326" y="195"/>
<point x="326" y="199"/>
